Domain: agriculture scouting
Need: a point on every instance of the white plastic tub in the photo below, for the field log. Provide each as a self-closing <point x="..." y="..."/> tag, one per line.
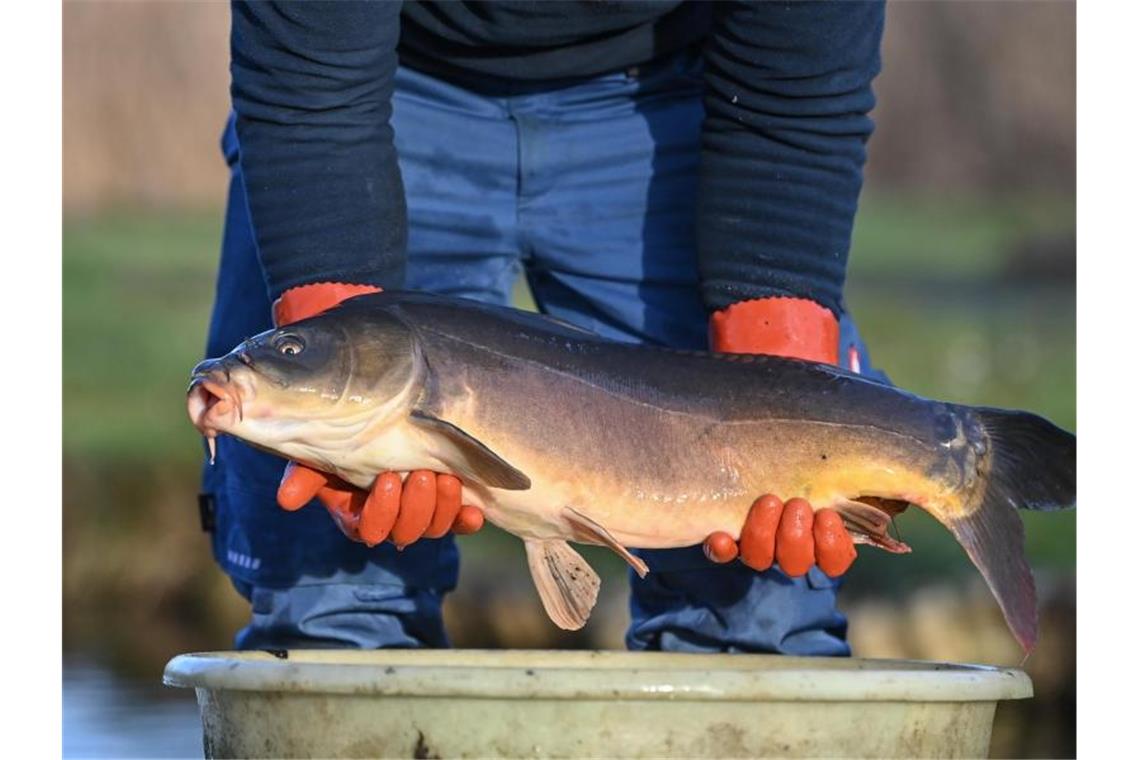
<point x="456" y="703"/>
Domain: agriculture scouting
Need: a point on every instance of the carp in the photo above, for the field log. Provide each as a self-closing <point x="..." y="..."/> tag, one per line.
<point x="560" y="435"/>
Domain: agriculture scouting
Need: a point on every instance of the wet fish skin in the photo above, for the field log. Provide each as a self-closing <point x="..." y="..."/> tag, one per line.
<point x="558" y="433"/>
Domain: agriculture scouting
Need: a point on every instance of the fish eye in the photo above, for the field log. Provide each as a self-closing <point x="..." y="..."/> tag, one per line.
<point x="289" y="345"/>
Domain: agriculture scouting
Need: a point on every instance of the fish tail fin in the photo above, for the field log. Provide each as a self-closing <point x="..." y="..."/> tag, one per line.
<point x="1032" y="465"/>
<point x="1034" y="462"/>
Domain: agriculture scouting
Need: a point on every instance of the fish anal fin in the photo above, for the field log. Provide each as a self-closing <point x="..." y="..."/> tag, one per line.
<point x="868" y="523"/>
<point x="589" y="531"/>
<point x="479" y="462"/>
<point x="566" y="584"/>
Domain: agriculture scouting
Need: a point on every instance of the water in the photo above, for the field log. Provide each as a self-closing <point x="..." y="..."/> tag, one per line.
<point x="108" y="716"/>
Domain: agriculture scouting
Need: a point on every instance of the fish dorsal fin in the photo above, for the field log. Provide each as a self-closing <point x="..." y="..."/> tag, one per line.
<point x="479" y="462"/>
<point x="588" y="531"/>
<point x="567" y="585"/>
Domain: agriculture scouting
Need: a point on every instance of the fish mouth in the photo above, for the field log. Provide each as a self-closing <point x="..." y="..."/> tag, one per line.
<point x="214" y="404"/>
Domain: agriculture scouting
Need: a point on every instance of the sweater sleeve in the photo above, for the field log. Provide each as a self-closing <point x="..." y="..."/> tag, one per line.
<point x="787" y="101"/>
<point x="312" y="91"/>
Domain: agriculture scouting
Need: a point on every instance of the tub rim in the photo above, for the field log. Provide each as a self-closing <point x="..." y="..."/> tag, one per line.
<point x="582" y="674"/>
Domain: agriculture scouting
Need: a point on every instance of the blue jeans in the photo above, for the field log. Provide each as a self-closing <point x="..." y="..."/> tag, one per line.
<point x="588" y="188"/>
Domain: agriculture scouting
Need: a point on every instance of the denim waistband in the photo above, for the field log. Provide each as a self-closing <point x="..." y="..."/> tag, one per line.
<point x="687" y="62"/>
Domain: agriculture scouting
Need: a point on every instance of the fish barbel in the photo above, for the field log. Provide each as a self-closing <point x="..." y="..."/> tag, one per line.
<point x="560" y="435"/>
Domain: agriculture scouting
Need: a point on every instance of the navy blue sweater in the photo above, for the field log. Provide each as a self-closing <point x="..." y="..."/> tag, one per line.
<point x="788" y="91"/>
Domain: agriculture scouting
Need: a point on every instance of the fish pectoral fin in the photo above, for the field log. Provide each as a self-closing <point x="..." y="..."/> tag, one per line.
<point x="566" y="583"/>
<point x="868" y="524"/>
<point x="588" y="531"/>
<point x="479" y="463"/>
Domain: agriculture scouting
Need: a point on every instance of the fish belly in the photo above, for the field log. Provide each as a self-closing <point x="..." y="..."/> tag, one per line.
<point x="668" y="496"/>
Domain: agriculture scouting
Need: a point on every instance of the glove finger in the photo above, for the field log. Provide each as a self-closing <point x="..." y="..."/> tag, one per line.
<point x="381" y="507"/>
<point x="758" y="536"/>
<point x="720" y="548"/>
<point x="448" y="490"/>
<point x="834" y="547"/>
<point x="299" y="485"/>
<point x="469" y="520"/>
<point x="335" y="499"/>
<point x="795" y="546"/>
<point x="345" y="508"/>
<point x="416" y="506"/>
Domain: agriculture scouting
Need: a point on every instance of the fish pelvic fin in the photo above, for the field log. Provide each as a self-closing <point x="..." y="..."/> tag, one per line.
<point x="479" y="463"/>
<point x="1031" y="465"/>
<point x="589" y="531"/>
<point x="566" y="584"/>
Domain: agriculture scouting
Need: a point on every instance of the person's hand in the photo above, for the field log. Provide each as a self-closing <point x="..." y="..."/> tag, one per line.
<point x="791" y="533"/>
<point x="424" y="505"/>
<point x="402" y="510"/>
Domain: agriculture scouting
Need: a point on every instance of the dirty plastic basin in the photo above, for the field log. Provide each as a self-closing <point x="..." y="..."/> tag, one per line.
<point x="456" y="703"/>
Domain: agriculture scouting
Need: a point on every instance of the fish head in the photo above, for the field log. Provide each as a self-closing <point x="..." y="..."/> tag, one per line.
<point x="305" y="390"/>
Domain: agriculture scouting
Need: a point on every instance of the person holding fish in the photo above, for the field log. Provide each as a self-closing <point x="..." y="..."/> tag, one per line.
<point x="679" y="174"/>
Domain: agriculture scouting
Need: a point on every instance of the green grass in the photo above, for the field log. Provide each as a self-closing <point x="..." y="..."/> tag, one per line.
<point x="137" y="291"/>
<point x="138" y="287"/>
<point x="951" y="237"/>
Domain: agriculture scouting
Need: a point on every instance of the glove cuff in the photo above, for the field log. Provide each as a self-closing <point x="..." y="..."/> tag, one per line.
<point x="306" y="301"/>
<point x="792" y="327"/>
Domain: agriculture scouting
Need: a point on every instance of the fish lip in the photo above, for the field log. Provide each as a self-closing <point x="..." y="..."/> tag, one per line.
<point x="213" y="402"/>
<point x="210" y="368"/>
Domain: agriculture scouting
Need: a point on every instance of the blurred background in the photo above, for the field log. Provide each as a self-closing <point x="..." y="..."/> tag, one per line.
<point x="962" y="277"/>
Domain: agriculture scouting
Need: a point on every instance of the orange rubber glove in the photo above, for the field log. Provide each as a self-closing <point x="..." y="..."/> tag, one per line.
<point x="790" y="534"/>
<point x="426" y="504"/>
